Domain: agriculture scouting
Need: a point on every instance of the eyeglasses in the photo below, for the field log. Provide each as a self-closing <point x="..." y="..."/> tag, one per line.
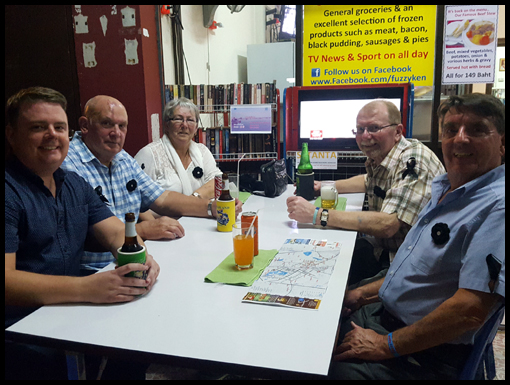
<point x="180" y="120"/>
<point x="370" y="129"/>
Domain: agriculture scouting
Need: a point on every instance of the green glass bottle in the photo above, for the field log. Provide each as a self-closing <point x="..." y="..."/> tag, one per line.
<point x="305" y="167"/>
<point x="305" y="176"/>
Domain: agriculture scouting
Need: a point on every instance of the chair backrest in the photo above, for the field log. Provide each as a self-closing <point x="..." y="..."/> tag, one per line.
<point x="483" y="342"/>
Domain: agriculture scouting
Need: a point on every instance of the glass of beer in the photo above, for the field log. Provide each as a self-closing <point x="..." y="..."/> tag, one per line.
<point x="329" y="194"/>
<point x="243" y="245"/>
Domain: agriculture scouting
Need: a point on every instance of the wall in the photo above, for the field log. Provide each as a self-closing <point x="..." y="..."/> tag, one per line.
<point x="132" y="78"/>
<point x="214" y="56"/>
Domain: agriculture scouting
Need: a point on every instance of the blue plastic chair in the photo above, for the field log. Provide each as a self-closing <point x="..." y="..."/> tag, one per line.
<point x="482" y="354"/>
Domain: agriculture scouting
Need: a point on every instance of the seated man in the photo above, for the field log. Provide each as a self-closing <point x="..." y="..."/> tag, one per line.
<point x="96" y="154"/>
<point x="448" y="276"/>
<point x="48" y="212"/>
<point x="397" y="183"/>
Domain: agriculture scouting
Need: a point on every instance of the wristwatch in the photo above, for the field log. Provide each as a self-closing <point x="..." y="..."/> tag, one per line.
<point x="324" y="218"/>
<point x="195" y="194"/>
<point x="209" y="208"/>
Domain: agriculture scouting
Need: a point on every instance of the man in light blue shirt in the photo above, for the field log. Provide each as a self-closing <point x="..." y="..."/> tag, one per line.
<point x="448" y="276"/>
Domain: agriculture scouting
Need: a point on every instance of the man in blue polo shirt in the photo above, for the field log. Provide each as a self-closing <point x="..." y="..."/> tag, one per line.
<point x="448" y="276"/>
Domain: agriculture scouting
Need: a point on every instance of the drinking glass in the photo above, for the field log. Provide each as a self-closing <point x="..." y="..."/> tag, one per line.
<point x="329" y="194"/>
<point x="243" y="245"/>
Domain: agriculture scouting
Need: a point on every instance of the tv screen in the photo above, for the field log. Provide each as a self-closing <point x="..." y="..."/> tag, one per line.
<point x="250" y="119"/>
<point x="328" y="116"/>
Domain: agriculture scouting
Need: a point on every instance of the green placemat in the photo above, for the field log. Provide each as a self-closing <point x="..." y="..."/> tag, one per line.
<point x="226" y="271"/>
<point x="243" y="196"/>
<point x="340" y="205"/>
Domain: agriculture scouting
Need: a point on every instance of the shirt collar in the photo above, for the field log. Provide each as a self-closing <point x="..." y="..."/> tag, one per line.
<point x="87" y="155"/>
<point x="441" y="184"/>
<point x="18" y="167"/>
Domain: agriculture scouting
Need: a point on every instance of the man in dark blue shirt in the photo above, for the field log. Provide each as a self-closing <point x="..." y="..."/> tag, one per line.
<point x="47" y="215"/>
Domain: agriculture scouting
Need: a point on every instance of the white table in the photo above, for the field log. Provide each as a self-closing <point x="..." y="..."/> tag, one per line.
<point x="184" y="317"/>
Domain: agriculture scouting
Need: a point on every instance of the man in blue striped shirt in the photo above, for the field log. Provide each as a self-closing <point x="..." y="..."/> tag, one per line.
<point x="96" y="153"/>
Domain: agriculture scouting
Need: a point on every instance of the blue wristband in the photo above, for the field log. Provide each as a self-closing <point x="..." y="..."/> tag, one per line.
<point x="392" y="347"/>
<point x="315" y="215"/>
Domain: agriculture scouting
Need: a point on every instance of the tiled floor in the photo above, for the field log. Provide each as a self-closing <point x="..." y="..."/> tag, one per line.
<point x="499" y="354"/>
<point x="162" y="372"/>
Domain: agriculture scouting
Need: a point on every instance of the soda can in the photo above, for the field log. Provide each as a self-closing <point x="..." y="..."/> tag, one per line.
<point x="247" y="217"/>
<point x="218" y="185"/>
<point x="225" y="215"/>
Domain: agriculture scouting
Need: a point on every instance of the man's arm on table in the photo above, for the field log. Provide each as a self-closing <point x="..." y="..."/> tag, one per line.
<point x="163" y="227"/>
<point x="174" y="204"/>
<point x="31" y="289"/>
<point x="355" y="184"/>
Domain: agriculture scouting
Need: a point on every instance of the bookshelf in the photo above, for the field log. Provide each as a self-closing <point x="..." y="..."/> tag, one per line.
<point x="214" y="103"/>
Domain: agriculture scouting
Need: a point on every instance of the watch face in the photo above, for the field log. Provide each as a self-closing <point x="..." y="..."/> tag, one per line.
<point x="324" y="217"/>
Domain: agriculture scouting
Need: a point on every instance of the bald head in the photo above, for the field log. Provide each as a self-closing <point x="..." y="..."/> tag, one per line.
<point x="99" y="104"/>
<point x="392" y="111"/>
<point x="104" y="127"/>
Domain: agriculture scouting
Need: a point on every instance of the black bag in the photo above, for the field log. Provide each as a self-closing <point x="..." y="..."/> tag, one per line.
<point x="274" y="177"/>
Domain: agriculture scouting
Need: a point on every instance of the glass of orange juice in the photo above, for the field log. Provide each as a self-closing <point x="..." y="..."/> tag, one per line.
<point x="243" y="245"/>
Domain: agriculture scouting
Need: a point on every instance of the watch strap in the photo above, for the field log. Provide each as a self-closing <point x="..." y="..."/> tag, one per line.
<point x="209" y="208"/>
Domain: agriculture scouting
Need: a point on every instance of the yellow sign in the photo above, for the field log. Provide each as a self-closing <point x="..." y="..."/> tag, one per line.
<point x="321" y="160"/>
<point x="368" y="44"/>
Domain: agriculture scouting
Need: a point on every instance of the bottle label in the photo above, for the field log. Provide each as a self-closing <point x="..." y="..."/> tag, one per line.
<point x="130" y="229"/>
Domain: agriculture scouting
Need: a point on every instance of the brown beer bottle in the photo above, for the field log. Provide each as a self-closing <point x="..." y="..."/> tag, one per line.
<point x="225" y="189"/>
<point x="131" y="241"/>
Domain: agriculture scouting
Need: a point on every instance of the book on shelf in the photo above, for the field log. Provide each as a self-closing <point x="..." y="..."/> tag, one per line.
<point x="207" y="96"/>
<point x="214" y="101"/>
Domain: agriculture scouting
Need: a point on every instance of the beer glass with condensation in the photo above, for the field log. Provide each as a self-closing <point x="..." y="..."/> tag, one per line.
<point x="329" y="194"/>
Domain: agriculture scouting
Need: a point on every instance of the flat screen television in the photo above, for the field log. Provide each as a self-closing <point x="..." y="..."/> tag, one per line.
<point x="327" y="115"/>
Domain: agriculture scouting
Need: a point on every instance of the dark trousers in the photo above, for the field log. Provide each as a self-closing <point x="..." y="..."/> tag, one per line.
<point x="443" y="362"/>
<point x="364" y="264"/>
<point x="30" y="362"/>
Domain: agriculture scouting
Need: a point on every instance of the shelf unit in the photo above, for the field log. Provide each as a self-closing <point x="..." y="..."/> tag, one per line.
<point x="219" y="118"/>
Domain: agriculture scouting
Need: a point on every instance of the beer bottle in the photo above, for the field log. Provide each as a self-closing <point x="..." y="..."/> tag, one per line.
<point x="225" y="207"/>
<point x="305" y="176"/>
<point x="131" y="241"/>
<point x="225" y="189"/>
<point x="305" y="167"/>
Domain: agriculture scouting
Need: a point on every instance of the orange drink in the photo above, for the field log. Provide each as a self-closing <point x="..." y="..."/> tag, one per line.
<point x="243" y="245"/>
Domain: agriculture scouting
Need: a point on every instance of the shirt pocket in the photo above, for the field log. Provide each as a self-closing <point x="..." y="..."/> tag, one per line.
<point x="436" y="260"/>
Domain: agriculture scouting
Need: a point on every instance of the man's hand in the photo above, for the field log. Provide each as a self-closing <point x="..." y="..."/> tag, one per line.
<point x="300" y="209"/>
<point x="160" y="228"/>
<point x="352" y="302"/>
<point x="363" y="344"/>
<point x="153" y="270"/>
<point x="239" y="207"/>
<point x="111" y="286"/>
